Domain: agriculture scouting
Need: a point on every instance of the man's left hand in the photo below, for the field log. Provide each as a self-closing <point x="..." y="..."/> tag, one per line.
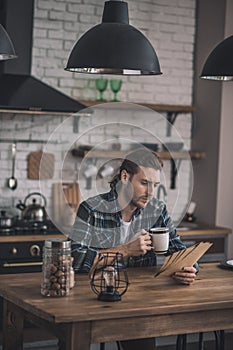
<point x="186" y="276"/>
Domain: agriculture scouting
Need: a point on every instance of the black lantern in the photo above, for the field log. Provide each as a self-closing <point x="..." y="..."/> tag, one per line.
<point x="109" y="278"/>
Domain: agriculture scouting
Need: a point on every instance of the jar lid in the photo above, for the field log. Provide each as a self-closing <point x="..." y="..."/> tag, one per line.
<point x="57" y="243"/>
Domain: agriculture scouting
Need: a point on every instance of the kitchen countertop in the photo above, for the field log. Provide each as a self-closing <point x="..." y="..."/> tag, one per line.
<point x="204" y="230"/>
<point x="200" y="230"/>
<point x="28" y="238"/>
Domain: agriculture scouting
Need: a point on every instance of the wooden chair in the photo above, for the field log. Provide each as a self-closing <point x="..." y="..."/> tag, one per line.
<point x="181" y="341"/>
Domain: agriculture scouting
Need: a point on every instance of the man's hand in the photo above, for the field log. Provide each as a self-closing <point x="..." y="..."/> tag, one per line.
<point x="139" y="245"/>
<point x="186" y="276"/>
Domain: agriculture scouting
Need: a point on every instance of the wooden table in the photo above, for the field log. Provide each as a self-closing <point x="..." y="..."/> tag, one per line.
<point x="150" y="307"/>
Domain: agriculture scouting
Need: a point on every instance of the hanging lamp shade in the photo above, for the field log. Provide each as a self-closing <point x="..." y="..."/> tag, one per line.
<point x="219" y="64"/>
<point x="7" y="51"/>
<point x="114" y="47"/>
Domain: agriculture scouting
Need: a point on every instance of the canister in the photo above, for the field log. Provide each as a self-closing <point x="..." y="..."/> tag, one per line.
<point x="56" y="268"/>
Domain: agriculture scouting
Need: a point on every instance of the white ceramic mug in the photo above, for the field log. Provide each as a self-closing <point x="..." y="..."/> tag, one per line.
<point x="91" y="170"/>
<point x="106" y="171"/>
<point x="160" y="239"/>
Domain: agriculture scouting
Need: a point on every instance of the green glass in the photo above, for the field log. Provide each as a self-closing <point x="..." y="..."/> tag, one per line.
<point x="115" y="87"/>
<point x="101" y="85"/>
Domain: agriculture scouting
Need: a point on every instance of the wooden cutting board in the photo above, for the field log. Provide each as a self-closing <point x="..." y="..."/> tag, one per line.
<point x="40" y="165"/>
<point x="72" y="196"/>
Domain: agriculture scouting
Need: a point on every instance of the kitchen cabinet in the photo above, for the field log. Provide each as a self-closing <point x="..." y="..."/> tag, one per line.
<point x="23" y="253"/>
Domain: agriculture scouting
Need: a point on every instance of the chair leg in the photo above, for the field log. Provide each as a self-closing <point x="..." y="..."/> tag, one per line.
<point x="102" y="346"/>
<point x="184" y="341"/>
<point x="219" y="340"/>
<point x="200" y="343"/>
<point x="178" y="341"/>
<point x="222" y="339"/>
<point x="181" y="342"/>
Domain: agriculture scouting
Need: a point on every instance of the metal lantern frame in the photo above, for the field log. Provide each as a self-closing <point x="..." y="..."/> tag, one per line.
<point x="109" y="263"/>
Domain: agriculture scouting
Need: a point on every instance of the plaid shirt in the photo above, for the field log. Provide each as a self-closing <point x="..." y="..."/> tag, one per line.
<point x="98" y="226"/>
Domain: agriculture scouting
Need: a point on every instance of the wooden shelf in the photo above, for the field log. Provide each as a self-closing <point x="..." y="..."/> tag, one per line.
<point x="172" y="111"/>
<point x="35" y="112"/>
<point x="174" y="157"/>
<point x="121" y="154"/>
<point x="153" y="106"/>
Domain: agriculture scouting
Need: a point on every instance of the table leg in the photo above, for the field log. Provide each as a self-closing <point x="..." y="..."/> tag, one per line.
<point x="77" y="337"/>
<point x="12" y="327"/>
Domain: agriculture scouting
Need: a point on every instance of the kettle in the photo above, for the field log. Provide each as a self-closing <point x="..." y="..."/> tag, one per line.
<point x="33" y="211"/>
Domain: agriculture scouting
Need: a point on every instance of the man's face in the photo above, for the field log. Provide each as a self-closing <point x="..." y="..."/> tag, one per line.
<point x="143" y="185"/>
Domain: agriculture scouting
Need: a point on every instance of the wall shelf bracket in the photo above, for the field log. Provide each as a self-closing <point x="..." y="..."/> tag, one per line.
<point x="171" y="118"/>
<point x="175" y="164"/>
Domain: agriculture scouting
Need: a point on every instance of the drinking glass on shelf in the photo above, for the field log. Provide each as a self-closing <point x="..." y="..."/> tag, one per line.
<point x="115" y="87"/>
<point x="101" y="85"/>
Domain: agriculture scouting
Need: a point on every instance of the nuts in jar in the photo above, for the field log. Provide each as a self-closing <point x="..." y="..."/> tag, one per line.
<point x="56" y="268"/>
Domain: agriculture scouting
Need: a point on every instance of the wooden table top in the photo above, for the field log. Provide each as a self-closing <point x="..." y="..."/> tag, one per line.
<point x="146" y="296"/>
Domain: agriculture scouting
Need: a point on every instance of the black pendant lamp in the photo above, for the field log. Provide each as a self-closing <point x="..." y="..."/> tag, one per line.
<point x="114" y="47"/>
<point x="7" y="50"/>
<point x="219" y="64"/>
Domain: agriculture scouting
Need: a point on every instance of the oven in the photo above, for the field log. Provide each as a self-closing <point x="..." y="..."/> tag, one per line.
<point x="21" y="246"/>
<point x="18" y="257"/>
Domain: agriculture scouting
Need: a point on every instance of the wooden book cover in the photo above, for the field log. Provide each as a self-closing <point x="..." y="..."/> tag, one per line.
<point x="183" y="258"/>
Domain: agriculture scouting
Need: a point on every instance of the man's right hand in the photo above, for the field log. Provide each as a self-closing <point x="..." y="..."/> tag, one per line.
<point x="139" y="245"/>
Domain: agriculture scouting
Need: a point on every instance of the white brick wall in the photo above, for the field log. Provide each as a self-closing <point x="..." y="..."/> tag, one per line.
<point x="106" y="126"/>
<point x="170" y="26"/>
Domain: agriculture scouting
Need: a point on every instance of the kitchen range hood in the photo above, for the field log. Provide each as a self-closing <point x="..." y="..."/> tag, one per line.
<point x="19" y="89"/>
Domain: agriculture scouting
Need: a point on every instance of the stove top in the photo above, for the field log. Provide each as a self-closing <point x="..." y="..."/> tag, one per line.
<point x="25" y="227"/>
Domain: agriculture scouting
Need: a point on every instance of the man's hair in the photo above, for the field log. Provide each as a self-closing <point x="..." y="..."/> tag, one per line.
<point x="135" y="159"/>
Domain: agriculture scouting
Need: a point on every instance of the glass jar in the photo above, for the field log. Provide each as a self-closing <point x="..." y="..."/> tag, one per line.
<point x="56" y="268"/>
<point x="72" y="278"/>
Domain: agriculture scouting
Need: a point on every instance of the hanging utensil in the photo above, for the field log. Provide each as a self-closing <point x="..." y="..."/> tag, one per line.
<point x="12" y="181"/>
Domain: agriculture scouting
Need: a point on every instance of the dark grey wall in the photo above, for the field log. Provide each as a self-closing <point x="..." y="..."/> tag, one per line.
<point x="207" y="100"/>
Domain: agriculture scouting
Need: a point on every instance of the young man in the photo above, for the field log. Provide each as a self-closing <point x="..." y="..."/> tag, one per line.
<point x="119" y="221"/>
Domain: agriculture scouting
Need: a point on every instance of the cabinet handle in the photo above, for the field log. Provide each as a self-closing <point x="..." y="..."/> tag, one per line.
<point x="14" y="251"/>
<point x="35" y="250"/>
<point x="22" y="264"/>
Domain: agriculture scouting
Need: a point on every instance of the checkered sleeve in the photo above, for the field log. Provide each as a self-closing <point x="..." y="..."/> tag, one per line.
<point x="81" y="235"/>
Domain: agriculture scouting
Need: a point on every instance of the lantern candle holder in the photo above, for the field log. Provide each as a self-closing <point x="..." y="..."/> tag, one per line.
<point x="109" y="278"/>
